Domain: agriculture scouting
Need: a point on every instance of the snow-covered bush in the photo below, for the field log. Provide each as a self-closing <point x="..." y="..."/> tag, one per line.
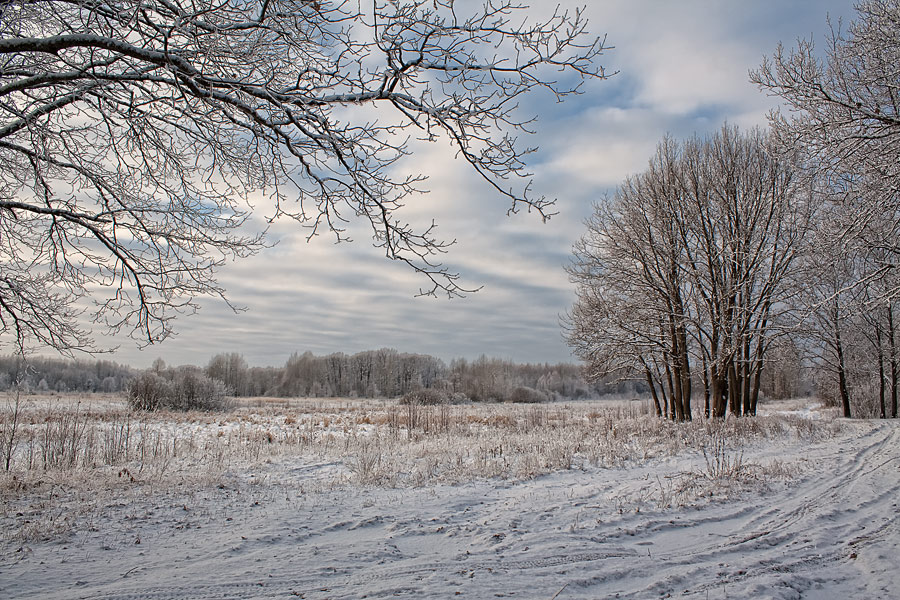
<point x="429" y="396"/>
<point x="148" y="391"/>
<point x="527" y="395"/>
<point x="186" y="388"/>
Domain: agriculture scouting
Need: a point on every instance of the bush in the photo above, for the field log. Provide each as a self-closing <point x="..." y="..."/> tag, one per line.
<point x="528" y="395"/>
<point x="148" y="391"/>
<point x="188" y="389"/>
<point x="423" y="397"/>
<point x="459" y="398"/>
<point x="195" y="391"/>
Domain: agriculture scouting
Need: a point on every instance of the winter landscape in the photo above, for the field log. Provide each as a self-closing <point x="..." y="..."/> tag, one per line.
<point x="340" y="299"/>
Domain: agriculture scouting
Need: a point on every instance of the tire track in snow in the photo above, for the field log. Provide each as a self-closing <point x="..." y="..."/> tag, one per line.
<point x="529" y="539"/>
<point x="801" y="538"/>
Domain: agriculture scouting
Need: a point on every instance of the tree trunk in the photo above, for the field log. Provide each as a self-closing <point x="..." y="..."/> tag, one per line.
<point x="760" y="358"/>
<point x="842" y="370"/>
<point x="665" y="400"/>
<point x="676" y="360"/>
<point x="653" y="394"/>
<point x="706" y="405"/>
<point x="757" y="375"/>
<point x="881" y="378"/>
<point x="672" y="389"/>
<point x="716" y="385"/>
<point x="745" y="376"/>
<point x="892" y="339"/>
<point x="719" y="389"/>
<point x="678" y="396"/>
<point x="733" y="386"/>
<point x="685" y="372"/>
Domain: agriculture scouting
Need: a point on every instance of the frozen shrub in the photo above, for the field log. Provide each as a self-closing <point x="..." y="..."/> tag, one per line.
<point x="186" y="389"/>
<point x="148" y="391"/>
<point x="192" y="390"/>
<point x="528" y="395"/>
<point x="428" y="396"/>
<point x="459" y="398"/>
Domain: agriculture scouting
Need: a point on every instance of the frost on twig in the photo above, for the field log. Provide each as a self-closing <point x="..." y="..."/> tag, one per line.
<point x="132" y="136"/>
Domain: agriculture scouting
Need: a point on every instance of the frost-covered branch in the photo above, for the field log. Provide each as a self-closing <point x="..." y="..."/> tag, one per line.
<point x="133" y="133"/>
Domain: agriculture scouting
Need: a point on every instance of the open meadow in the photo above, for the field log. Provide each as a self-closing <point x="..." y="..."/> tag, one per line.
<point x="327" y="498"/>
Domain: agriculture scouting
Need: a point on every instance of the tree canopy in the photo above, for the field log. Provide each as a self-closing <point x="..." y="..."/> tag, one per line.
<point x="134" y="135"/>
<point x="686" y="265"/>
<point x="842" y="114"/>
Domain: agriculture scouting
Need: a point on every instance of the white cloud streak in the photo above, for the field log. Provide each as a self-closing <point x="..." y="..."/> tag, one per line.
<point x="683" y="70"/>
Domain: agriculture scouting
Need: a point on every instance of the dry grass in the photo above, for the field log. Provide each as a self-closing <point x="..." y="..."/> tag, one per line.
<point x="79" y="447"/>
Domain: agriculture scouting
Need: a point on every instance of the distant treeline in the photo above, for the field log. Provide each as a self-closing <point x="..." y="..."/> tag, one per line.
<point x="387" y="373"/>
<point x="384" y="373"/>
<point x="39" y="374"/>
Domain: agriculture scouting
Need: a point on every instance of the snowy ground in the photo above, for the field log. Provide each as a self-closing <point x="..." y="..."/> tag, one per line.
<point x="800" y="514"/>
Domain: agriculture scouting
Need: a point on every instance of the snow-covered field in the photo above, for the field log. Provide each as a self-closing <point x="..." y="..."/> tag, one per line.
<point x="353" y="499"/>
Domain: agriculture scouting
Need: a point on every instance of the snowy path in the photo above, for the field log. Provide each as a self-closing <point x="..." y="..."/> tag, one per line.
<point x="832" y="533"/>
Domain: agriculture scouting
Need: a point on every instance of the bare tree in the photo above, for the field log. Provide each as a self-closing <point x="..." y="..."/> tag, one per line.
<point x="844" y="115"/>
<point x="132" y="135"/>
<point x="827" y="281"/>
<point x="745" y="219"/>
<point x="844" y="112"/>
<point x="632" y="309"/>
<point x="688" y="263"/>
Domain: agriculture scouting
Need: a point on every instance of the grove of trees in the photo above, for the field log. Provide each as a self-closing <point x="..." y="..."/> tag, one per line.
<point x="843" y="112"/>
<point x="41" y="374"/>
<point x="387" y="373"/>
<point x="681" y="275"/>
<point x="736" y="252"/>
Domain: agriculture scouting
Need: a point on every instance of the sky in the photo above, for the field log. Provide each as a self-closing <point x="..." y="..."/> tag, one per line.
<point x="682" y="70"/>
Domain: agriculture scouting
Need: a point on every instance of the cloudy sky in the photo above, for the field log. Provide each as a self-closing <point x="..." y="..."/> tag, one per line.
<point x="682" y="70"/>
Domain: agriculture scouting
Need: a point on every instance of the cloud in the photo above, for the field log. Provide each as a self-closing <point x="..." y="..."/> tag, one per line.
<point x="683" y="70"/>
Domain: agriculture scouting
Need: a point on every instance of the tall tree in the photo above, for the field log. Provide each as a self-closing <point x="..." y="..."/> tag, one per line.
<point x="133" y="133"/>
<point x="687" y="264"/>
<point x="828" y="295"/>
<point x="745" y="218"/>
<point x="631" y="310"/>
<point x="843" y="114"/>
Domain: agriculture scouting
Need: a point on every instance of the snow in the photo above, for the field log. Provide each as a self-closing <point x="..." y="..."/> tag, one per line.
<point x="796" y="516"/>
